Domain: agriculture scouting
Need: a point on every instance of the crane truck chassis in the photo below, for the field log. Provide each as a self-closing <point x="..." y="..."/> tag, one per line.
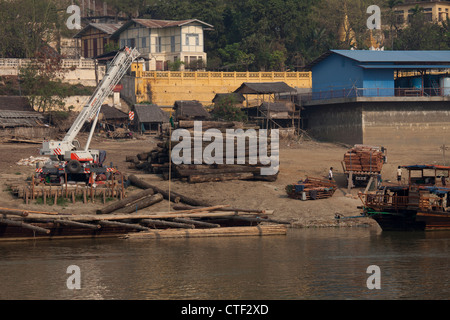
<point x="66" y="157"/>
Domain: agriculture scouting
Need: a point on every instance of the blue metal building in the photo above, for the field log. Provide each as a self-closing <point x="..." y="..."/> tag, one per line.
<point x="371" y="73"/>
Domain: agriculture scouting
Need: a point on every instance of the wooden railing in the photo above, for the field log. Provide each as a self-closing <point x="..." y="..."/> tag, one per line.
<point x="386" y="201"/>
<point x="250" y="76"/>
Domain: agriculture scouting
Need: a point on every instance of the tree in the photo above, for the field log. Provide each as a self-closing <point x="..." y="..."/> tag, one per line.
<point x="40" y="80"/>
<point x="27" y="25"/>
<point x="392" y="19"/>
<point x="226" y="109"/>
<point x="422" y="34"/>
<point x="175" y="65"/>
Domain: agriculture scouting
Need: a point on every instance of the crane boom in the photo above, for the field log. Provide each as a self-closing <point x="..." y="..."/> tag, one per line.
<point x="121" y="62"/>
<point x="65" y="149"/>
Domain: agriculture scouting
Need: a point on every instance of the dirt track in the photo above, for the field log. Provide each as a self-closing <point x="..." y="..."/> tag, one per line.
<point x="297" y="160"/>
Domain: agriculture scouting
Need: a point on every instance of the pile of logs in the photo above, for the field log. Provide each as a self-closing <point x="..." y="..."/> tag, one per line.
<point x="363" y="159"/>
<point x="158" y="160"/>
<point x="18" y="224"/>
<point x="311" y="189"/>
<point x="189" y="218"/>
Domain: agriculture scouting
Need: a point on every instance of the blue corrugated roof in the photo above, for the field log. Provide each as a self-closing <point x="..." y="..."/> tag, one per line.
<point x="404" y="66"/>
<point x="375" y="56"/>
<point x="395" y="56"/>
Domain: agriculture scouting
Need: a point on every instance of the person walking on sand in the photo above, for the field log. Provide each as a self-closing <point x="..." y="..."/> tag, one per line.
<point x="330" y="174"/>
<point x="399" y="174"/>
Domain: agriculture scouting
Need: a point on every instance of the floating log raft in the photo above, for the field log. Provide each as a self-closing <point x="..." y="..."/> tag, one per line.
<point x="263" y="230"/>
<point x="48" y="225"/>
<point x="158" y="160"/>
<point x="311" y="189"/>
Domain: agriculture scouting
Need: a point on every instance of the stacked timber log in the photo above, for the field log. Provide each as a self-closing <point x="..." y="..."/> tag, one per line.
<point x="17" y="224"/>
<point x="363" y="159"/>
<point x="158" y="160"/>
<point x="311" y="189"/>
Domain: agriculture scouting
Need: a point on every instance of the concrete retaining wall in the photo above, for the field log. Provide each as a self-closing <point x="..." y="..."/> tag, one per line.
<point x="390" y="124"/>
<point x="334" y="123"/>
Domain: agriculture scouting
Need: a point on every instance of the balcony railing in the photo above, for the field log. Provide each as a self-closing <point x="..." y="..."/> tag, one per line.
<point x="375" y="92"/>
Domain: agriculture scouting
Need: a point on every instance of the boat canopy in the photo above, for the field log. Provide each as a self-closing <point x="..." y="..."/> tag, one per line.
<point x="426" y="166"/>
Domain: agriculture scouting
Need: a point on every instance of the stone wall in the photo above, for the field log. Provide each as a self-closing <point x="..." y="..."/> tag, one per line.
<point x="391" y="124"/>
<point x="395" y="124"/>
<point x="334" y="123"/>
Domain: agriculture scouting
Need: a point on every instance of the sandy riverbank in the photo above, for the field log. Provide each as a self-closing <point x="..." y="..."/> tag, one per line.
<point x="298" y="159"/>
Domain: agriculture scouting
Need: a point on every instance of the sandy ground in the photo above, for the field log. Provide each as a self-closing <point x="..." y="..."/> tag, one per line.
<point x="298" y="159"/>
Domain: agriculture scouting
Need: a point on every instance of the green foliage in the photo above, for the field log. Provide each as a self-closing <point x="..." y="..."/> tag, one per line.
<point x="40" y="80"/>
<point x="26" y="24"/>
<point x="423" y="35"/>
<point x="109" y="47"/>
<point x="175" y="65"/>
<point x="248" y="35"/>
<point x="226" y="109"/>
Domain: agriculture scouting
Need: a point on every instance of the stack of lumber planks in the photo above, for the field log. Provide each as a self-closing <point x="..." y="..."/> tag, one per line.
<point x="363" y="159"/>
<point x="158" y="160"/>
<point x="311" y="189"/>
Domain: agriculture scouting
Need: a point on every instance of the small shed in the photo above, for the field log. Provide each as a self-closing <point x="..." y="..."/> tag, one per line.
<point x="266" y="91"/>
<point x="280" y="114"/>
<point x="190" y="110"/>
<point x="112" y="118"/>
<point x="19" y="120"/>
<point x="12" y="119"/>
<point x="149" y="118"/>
<point x="16" y="103"/>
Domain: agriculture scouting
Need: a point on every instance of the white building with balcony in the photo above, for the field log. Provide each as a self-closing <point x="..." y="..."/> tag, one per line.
<point x="162" y="42"/>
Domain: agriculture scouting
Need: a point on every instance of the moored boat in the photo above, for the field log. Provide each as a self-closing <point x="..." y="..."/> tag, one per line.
<point x="423" y="203"/>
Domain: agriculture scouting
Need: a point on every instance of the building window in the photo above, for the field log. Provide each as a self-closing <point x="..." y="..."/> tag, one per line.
<point x="131" y="43"/>
<point x="172" y="43"/>
<point x="144" y="42"/>
<point x="158" y="44"/>
<point x="122" y="43"/>
<point x="195" y="38"/>
<point x="86" y="48"/>
<point x="94" y="47"/>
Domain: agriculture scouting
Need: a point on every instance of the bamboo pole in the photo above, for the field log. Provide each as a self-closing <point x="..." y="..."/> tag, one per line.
<point x="76" y="224"/>
<point x="155" y="222"/>
<point x="160" y="215"/>
<point x="197" y="223"/>
<point x="121" y="224"/>
<point x="210" y="232"/>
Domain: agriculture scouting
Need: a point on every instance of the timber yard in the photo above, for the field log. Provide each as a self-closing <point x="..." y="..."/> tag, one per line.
<point x="187" y="150"/>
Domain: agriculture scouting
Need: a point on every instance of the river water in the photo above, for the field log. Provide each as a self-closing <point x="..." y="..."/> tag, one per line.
<point x="320" y="264"/>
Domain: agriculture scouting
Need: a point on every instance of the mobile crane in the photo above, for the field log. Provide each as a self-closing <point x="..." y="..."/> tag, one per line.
<point x="67" y="156"/>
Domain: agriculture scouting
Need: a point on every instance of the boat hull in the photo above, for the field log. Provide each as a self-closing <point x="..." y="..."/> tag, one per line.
<point x="420" y="221"/>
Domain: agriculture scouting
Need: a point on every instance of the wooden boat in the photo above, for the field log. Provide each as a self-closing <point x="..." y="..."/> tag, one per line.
<point x="311" y="189"/>
<point x="422" y="204"/>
